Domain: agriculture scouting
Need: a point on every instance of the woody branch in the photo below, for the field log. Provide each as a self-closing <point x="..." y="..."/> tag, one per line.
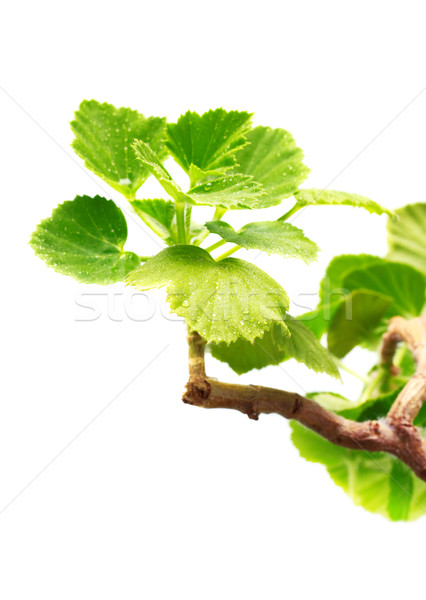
<point x="396" y="435"/>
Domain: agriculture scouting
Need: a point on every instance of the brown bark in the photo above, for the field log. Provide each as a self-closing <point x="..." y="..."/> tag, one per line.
<point x="413" y="332"/>
<point x="396" y="434"/>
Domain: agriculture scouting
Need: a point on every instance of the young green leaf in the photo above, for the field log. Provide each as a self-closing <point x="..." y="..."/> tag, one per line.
<point x="274" y="160"/>
<point x="223" y="300"/>
<point x="332" y="291"/>
<point x="84" y="238"/>
<point x="369" y="479"/>
<point x="231" y="191"/>
<point x="275" y="347"/>
<point x="355" y="320"/>
<point x="406" y="236"/>
<point x="207" y="142"/>
<point x="273" y="237"/>
<point x="103" y="138"/>
<point x="332" y="286"/>
<point x="404" y="284"/>
<point x="158" y="214"/>
<point x="152" y="164"/>
<point x="317" y="196"/>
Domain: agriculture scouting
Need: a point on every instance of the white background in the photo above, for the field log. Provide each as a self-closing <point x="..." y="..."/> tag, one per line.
<point x="154" y="499"/>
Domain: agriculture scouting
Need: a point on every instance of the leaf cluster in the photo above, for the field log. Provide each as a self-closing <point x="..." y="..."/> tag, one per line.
<point x="230" y="165"/>
<point x="240" y="310"/>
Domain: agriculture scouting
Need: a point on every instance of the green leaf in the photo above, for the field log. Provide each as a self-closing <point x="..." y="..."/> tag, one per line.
<point x="406" y="363"/>
<point x="305" y="348"/>
<point x="420" y="420"/>
<point x="274" y="160"/>
<point x="158" y="214"/>
<point x="377" y="481"/>
<point x="273" y="237"/>
<point x="152" y="164"/>
<point x="332" y="285"/>
<point x="84" y="238"/>
<point x="349" y="273"/>
<point x="365" y="409"/>
<point x="406" y="236"/>
<point x="402" y="283"/>
<point x="319" y="319"/>
<point x="362" y="478"/>
<point x="222" y="300"/>
<point x="103" y="138"/>
<point x="231" y="191"/>
<point x="317" y="196"/>
<point x="401" y="483"/>
<point x="332" y="291"/>
<point x="207" y="142"/>
<point x="370" y="408"/>
<point x="275" y="347"/>
<point x="243" y="356"/>
<point x="355" y="320"/>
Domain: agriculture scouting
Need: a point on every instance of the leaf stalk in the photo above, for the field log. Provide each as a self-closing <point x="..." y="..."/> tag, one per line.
<point x="290" y="213"/>
<point x="180" y="223"/>
<point x="228" y="253"/>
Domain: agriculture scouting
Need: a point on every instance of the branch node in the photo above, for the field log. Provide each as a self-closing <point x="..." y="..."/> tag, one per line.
<point x="196" y="392"/>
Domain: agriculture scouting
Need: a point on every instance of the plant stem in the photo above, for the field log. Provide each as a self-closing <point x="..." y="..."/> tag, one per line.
<point x="228" y="253"/>
<point x="144" y="258"/>
<point x="291" y="212"/>
<point x="180" y="222"/>
<point x="350" y="371"/>
<point x="216" y="245"/>
<point x="218" y="214"/>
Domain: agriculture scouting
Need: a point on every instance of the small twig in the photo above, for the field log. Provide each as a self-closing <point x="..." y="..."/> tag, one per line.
<point x="374" y="436"/>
